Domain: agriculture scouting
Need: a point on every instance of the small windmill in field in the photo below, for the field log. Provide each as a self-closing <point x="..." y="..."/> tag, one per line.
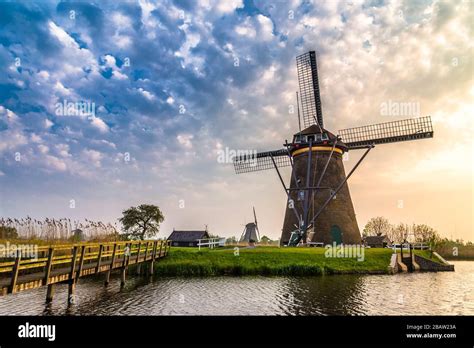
<point x="251" y="233"/>
<point x="319" y="206"/>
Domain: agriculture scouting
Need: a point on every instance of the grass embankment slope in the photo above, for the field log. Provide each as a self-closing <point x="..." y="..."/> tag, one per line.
<point x="268" y="261"/>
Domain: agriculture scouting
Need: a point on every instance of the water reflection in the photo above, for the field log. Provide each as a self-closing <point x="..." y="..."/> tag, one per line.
<point x="424" y="293"/>
<point x="324" y="296"/>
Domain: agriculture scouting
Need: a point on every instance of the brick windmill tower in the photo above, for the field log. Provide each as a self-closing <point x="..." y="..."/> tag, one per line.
<point x="319" y="205"/>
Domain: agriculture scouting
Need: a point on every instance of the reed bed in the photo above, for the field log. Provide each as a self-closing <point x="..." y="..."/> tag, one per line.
<point x="62" y="229"/>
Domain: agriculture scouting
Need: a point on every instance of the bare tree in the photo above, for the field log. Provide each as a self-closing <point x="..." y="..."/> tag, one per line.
<point x="424" y="233"/>
<point x="399" y="233"/>
<point x="377" y="226"/>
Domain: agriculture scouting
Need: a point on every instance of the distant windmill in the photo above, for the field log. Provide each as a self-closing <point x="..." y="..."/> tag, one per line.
<point x="251" y="233"/>
<point x="314" y="213"/>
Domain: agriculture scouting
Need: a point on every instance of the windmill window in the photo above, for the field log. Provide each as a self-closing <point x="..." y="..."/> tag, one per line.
<point x="301" y="195"/>
<point x="299" y="138"/>
<point x="318" y="137"/>
<point x="310" y="137"/>
<point x="325" y="137"/>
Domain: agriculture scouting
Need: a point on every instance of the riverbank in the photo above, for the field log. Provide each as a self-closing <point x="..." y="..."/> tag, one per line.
<point x="270" y="261"/>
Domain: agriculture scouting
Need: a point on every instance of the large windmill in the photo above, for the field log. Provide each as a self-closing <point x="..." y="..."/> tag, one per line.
<point x="251" y="234"/>
<point x="319" y="206"/>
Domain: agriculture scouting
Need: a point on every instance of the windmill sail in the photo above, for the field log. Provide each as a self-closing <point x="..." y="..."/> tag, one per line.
<point x="261" y="161"/>
<point x="309" y="89"/>
<point x="256" y="224"/>
<point x="388" y="132"/>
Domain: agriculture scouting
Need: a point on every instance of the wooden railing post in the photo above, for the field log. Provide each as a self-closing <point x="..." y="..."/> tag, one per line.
<point x="47" y="273"/>
<point x="155" y="246"/>
<point x="125" y="257"/>
<point x="161" y="246"/>
<point x="16" y="268"/>
<point x="99" y="257"/>
<point x="137" y="260"/>
<point x="146" y="249"/>
<point x="126" y="260"/>
<point x="138" y="252"/>
<point x="49" y="263"/>
<point x="153" y="255"/>
<point x="107" y="277"/>
<point x="72" y="273"/>
<point x="114" y="253"/>
<point x="81" y="262"/>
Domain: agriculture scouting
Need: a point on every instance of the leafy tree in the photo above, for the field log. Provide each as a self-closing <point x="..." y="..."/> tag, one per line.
<point x="426" y="234"/>
<point x="7" y="232"/>
<point x="377" y="226"/>
<point x="142" y="222"/>
<point x="231" y="240"/>
<point x="265" y="240"/>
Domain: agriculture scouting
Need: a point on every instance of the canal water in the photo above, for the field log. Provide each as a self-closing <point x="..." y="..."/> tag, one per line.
<point x="444" y="293"/>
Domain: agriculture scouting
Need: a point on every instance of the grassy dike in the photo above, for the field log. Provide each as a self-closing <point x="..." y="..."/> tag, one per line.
<point x="269" y="261"/>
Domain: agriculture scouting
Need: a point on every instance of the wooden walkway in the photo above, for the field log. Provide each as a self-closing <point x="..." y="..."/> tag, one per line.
<point x="67" y="263"/>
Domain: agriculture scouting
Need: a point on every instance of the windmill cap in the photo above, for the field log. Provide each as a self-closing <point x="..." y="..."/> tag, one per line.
<point x="315" y="129"/>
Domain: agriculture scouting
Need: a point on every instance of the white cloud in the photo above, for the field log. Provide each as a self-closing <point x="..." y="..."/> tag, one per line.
<point x="192" y="40"/>
<point x="111" y="62"/>
<point x="122" y="41"/>
<point x="93" y="157"/>
<point x="185" y="140"/>
<point x="63" y="150"/>
<point x="98" y="123"/>
<point x="43" y="74"/>
<point x="148" y="95"/>
<point x="121" y="21"/>
<point x="35" y="138"/>
<point x="61" y="89"/>
<point x="55" y="163"/>
<point x="119" y="76"/>
<point x="62" y="36"/>
<point x="228" y="6"/>
<point x="48" y="124"/>
<point x="43" y="149"/>
<point x="266" y="28"/>
<point x="246" y="29"/>
<point x="8" y="115"/>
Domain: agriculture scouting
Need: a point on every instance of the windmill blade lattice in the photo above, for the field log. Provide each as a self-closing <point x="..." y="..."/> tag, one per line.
<point x="261" y="161"/>
<point x="388" y="132"/>
<point x="309" y="89"/>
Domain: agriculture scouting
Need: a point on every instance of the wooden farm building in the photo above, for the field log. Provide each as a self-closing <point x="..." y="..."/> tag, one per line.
<point x="187" y="238"/>
<point x="377" y="241"/>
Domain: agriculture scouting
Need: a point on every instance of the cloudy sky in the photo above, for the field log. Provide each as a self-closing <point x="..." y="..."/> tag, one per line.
<point x="174" y="83"/>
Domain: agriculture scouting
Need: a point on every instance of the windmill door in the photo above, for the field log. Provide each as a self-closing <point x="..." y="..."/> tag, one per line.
<point x="336" y="234"/>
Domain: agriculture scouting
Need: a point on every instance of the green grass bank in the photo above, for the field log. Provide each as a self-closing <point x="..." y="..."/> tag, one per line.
<point x="270" y="261"/>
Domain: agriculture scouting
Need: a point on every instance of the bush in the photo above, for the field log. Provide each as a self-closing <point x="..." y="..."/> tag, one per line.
<point x="8" y="232"/>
